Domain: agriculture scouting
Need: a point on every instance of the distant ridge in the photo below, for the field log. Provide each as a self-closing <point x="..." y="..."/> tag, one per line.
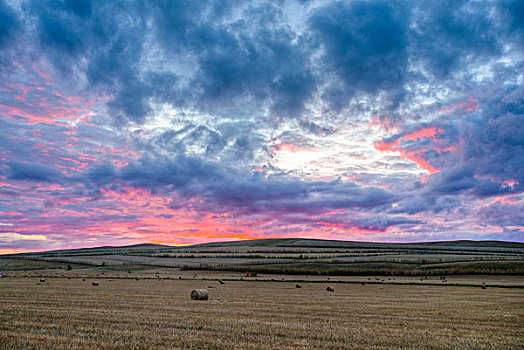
<point x="321" y="243"/>
<point x="102" y="249"/>
<point x="283" y="242"/>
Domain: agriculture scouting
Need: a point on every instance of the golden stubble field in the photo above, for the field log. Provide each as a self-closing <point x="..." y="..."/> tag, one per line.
<point x="158" y="314"/>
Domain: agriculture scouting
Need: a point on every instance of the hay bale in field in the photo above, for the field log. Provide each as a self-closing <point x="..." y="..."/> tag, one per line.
<point x="330" y="289"/>
<point x="42" y="280"/>
<point x="199" y="294"/>
<point x="83" y="279"/>
<point x="221" y="282"/>
<point x="95" y="284"/>
<point x="298" y="285"/>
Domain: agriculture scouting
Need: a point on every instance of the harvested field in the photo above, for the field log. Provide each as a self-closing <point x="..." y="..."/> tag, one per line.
<point x="158" y="314"/>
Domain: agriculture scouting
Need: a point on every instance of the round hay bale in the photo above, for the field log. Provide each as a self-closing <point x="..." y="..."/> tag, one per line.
<point x="330" y="289"/>
<point x="42" y="280"/>
<point x="95" y="284"/>
<point x="199" y="294"/>
<point x="298" y="285"/>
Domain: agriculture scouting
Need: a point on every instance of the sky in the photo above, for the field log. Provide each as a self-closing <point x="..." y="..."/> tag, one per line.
<point x="181" y="122"/>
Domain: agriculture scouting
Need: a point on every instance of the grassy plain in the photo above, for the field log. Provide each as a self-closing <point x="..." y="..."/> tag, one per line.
<point x="437" y="295"/>
<point x="66" y="313"/>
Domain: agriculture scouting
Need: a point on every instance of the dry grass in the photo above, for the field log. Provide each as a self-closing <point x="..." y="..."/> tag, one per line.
<point x="158" y="314"/>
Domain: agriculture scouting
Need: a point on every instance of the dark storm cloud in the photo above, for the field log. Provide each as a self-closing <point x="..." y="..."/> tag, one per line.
<point x="414" y="204"/>
<point x="502" y="214"/>
<point x="9" y="29"/>
<point x="375" y="223"/>
<point x="511" y="14"/>
<point x="32" y="172"/>
<point x="221" y="56"/>
<point x="480" y="153"/>
<point x="490" y="150"/>
<point x="223" y="189"/>
<point x="8" y="23"/>
<point x="449" y="34"/>
<point x="365" y="46"/>
<point x="297" y="196"/>
<point x="382" y="223"/>
<point x="253" y="60"/>
<point x="487" y="161"/>
<point x="102" y="40"/>
<point x="248" y="56"/>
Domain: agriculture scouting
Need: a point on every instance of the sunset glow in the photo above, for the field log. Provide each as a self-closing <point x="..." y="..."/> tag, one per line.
<point x="189" y="122"/>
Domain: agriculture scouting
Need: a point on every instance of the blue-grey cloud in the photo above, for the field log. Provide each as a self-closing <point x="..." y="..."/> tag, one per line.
<point x="450" y="34"/>
<point x="226" y="189"/>
<point x="8" y="22"/>
<point x="365" y="47"/>
<point x="32" y="172"/>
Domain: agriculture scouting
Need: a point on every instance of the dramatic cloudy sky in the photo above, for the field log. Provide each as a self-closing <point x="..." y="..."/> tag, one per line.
<point x="188" y="121"/>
